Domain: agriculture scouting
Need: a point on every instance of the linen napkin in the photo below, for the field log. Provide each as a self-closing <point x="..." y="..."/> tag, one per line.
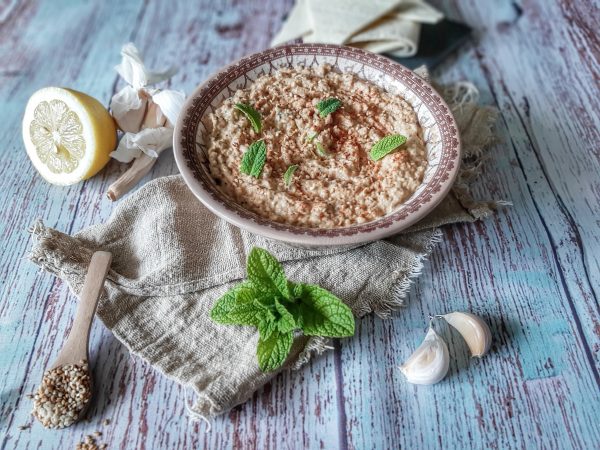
<point x="172" y="259"/>
<point x="391" y="26"/>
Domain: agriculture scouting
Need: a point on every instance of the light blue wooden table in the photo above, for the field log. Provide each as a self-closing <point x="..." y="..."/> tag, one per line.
<point x="532" y="270"/>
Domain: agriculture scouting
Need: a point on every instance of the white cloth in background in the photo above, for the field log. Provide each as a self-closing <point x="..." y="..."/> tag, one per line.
<point x="391" y="26"/>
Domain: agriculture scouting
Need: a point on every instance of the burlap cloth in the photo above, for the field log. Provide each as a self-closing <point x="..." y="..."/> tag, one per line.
<point x="172" y="259"/>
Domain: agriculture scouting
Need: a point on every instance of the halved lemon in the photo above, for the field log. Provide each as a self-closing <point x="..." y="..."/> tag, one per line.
<point x="68" y="135"/>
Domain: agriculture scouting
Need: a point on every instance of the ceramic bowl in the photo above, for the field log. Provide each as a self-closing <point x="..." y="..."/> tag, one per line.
<point x="439" y="131"/>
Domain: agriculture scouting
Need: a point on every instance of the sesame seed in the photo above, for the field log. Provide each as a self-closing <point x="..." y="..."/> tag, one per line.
<point x="90" y="444"/>
<point x="62" y="395"/>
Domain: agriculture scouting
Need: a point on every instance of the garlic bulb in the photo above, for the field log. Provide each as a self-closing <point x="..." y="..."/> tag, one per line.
<point x="429" y="363"/>
<point x="473" y="329"/>
<point x="146" y="115"/>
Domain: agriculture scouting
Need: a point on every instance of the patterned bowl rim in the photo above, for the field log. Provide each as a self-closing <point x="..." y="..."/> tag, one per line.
<point x="410" y="212"/>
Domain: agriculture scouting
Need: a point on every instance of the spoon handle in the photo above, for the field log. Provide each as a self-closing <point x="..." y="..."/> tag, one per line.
<point x="76" y="346"/>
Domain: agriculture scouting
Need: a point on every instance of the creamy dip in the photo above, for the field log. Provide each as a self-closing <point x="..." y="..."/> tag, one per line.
<point x="342" y="188"/>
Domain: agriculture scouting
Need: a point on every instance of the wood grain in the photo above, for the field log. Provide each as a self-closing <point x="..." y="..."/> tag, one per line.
<point x="533" y="270"/>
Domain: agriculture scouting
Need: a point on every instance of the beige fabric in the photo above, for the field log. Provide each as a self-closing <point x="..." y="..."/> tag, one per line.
<point x="172" y="259"/>
<point x="392" y="26"/>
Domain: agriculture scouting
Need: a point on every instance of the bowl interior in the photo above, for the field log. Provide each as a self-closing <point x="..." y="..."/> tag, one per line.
<point x="439" y="129"/>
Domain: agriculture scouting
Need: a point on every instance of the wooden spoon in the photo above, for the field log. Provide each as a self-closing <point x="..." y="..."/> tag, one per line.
<point x="76" y="346"/>
<point x="75" y="349"/>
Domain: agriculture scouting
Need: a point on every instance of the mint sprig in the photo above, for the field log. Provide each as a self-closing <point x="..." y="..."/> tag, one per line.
<point x="251" y="114"/>
<point x="278" y="308"/>
<point x="289" y="173"/>
<point x="386" y="145"/>
<point x="327" y="106"/>
<point x="254" y="159"/>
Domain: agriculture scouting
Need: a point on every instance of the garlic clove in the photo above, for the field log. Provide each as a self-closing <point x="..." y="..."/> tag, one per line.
<point x="154" y="117"/>
<point x="128" y="108"/>
<point x="473" y="329"/>
<point x="170" y="103"/>
<point x="429" y="362"/>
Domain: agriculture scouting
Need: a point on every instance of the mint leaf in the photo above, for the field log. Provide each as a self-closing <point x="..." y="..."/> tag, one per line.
<point x="251" y="114"/>
<point x="266" y="328"/>
<point x="265" y="273"/>
<point x="254" y="159"/>
<point x="322" y="151"/>
<point x="253" y="314"/>
<point x="289" y="173"/>
<point x="321" y="313"/>
<point x="273" y="351"/>
<point x="386" y="145"/>
<point x="327" y="106"/>
<point x="220" y="311"/>
<point x="254" y="294"/>
<point x="241" y="306"/>
<point x="286" y="321"/>
<point x="297" y="289"/>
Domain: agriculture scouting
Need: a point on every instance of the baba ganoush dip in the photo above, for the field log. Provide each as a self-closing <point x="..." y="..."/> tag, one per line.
<point x="335" y="182"/>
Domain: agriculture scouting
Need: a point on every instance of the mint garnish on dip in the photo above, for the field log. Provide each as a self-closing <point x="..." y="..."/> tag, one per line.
<point x="254" y="159"/>
<point x="289" y="173"/>
<point x="386" y="145"/>
<point x="327" y="106"/>
<point x="251" y="114"/>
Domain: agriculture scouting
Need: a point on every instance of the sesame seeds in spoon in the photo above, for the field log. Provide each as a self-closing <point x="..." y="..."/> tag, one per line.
<point x="66" y="388"/>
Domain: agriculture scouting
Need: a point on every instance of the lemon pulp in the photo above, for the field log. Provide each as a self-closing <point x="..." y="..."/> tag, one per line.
<point x="56" y="133"/>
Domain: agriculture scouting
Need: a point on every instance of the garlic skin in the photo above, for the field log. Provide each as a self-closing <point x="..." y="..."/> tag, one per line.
<point x="429" y="362"/>
<point x="473" y="329"/>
